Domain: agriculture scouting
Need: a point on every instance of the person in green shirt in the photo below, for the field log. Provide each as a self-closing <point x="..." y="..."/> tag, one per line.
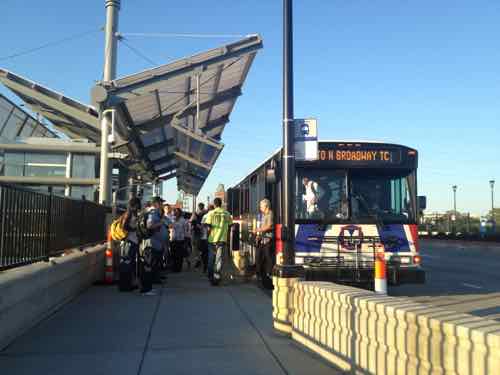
<point x="218" y="222"/>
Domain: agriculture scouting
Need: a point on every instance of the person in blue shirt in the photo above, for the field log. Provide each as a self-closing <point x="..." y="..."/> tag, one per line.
<point x="156" y="223"/>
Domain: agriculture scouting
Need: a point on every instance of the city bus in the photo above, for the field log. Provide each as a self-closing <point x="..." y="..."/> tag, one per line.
<point x="356" y="199"/>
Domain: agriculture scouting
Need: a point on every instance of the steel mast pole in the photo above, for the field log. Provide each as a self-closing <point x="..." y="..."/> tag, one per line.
<point x="286" y="273"/>
<point x="288" y="158"/>
<point x="112" y="10"/>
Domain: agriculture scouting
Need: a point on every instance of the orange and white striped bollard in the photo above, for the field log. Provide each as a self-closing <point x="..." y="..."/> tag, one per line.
<point x="380" y="273"/>
<point x="108" y="265"/>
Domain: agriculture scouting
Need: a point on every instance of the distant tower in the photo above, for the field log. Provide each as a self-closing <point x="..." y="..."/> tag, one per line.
<point x="220" y="193"/>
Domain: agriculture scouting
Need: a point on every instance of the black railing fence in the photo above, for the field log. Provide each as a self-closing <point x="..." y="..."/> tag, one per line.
<point x="35" y="226"/>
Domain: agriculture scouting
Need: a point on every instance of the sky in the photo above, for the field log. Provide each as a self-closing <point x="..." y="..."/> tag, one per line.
<point x="425" y="74"/>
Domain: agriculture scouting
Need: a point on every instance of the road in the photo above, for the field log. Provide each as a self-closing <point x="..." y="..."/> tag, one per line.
<point x="461" y="278"/>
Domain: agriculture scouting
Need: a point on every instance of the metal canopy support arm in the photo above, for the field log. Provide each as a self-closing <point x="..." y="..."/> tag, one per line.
<point x="159" y="146"/>
<point x="167" y="169"/>
<point x="192" y="160"/>
<point x="201" y="138"/>
<point x="220" y="98"/>
<point x="167" y="176"/>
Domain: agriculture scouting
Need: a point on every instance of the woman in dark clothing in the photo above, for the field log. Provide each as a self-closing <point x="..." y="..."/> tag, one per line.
<point x="130" y="246"/>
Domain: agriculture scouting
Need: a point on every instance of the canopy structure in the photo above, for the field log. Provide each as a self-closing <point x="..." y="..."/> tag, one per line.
<point x="69" y="116"/>
<point x="176" y="113"/>
<point x="14" y="122"/>
<point x="168" y="120"/>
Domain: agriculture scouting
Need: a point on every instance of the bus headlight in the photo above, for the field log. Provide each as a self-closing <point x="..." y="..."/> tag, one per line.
<point x="401" y="259"/>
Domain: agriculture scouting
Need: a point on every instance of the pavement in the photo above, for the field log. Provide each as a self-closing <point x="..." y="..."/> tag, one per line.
<point x="461" y="277"/>
<point x="190" y="327"/>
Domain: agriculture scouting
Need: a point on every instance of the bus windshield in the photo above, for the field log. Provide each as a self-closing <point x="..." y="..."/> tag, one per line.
<point x="383" y="197"/>
<point x="356" y="195"/>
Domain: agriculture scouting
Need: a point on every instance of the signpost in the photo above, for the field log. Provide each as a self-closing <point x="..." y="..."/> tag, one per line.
<point x="306" y="139"/>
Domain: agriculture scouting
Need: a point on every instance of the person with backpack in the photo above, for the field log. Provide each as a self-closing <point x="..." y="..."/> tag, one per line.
<point x="218" y="222"/>
<point x="178" y="240"/>
<point x="129" y="247"/>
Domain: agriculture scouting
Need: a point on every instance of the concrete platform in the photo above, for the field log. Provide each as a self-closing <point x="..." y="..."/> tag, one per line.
<point x="188" y="328"/>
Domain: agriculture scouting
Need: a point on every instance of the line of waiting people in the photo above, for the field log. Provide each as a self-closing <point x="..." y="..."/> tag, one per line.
<point x="156" y="238"/>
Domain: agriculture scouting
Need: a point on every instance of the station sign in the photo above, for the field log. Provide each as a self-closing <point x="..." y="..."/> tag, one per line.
<point x="306" y="139"/>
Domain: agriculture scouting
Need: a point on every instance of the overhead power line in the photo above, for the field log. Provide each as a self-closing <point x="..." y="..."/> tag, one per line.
<point x="51" y="44"/>
<point x="184" y="35"/>
<point x="136" y="51"/>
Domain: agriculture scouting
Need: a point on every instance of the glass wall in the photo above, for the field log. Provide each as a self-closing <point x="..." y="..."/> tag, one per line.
<point x="83" y="166"/>
<point x="44" y="164"/>
<point x="35" y="164"/>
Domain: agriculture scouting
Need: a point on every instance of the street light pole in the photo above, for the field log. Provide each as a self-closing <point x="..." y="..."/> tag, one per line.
<point x="111" y="29"/>
<point x="454" y="187"/>
<point x="492" y="185"/>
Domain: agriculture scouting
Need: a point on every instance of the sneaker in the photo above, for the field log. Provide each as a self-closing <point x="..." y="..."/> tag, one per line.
<point x="150" y="293"/>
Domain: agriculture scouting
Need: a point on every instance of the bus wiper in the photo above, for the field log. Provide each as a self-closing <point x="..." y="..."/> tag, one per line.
<point x="379" y="222"/>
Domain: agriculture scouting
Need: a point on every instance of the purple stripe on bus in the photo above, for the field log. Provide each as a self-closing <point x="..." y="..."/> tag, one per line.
<point x="394" y="238"/>
<point x="309" y="238"/>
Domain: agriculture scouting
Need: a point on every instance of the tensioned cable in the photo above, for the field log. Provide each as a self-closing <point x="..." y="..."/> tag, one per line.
<point x="184" y="35"/>
<point x="137" y="52"/>
<point x="51" y="44"/>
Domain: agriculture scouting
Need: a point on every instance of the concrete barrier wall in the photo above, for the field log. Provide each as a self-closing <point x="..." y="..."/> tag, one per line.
<point x="364" y="333"/>
<point x="31" y="293"/>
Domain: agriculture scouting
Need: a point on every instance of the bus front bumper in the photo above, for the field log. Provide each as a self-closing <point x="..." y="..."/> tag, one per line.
<point x="405" y="275"/>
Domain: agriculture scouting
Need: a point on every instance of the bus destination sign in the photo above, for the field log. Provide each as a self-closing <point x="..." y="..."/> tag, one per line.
<point x="372" y="156"/>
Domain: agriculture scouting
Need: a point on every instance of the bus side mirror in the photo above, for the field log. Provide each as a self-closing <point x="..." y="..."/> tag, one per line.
<point x="235" y="237"/>
<point x="422" y="203"/>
